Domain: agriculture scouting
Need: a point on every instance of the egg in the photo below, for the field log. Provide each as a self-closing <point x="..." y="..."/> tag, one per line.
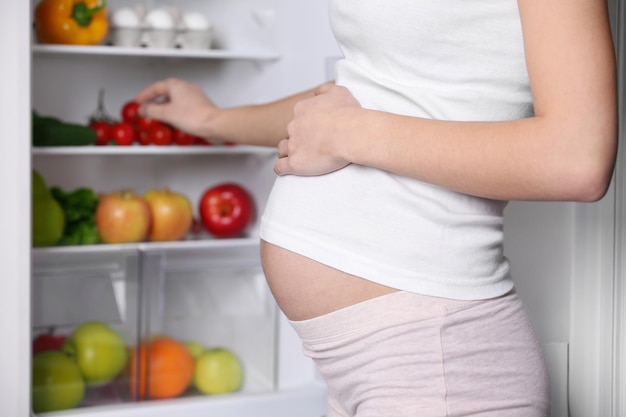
<point x="159" y="19"/>
<point x="196" y="21"/>
<point x="125" y="18"/>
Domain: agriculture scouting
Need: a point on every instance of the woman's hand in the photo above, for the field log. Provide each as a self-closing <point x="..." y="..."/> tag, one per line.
<point x="180" y="104"/>
<point x="317" y="133"/>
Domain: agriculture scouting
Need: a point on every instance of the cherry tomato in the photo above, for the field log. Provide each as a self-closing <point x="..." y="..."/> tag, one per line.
<point x="123" y="133"/>
<point x="183" y="138"/>
<point x="130" y="112"/>
<point x="160" y="135"/>
<point x="146" y="123"/>
<point x="101" y="121"/>
<point x="103" y="131"/>
<point x="143" y="137"/>
<point x="202" y="142"/>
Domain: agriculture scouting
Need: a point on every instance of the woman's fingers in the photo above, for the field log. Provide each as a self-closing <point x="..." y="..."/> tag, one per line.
<point x="153" y="91"/>
<point x="283" y="148"/>
<point x="282" y="165"/>
<point x="154" y="110"/>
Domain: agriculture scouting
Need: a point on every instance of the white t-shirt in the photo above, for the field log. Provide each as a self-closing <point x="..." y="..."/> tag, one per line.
<point x="442" y="59"/>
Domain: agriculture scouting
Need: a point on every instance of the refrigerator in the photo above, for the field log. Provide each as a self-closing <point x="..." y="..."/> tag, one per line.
<point x="567" y="258"/>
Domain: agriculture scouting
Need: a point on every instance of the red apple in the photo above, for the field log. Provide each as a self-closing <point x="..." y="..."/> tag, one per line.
<point x="123" y="217"/>
<point x="226" y="210"/>
<point x="172" y="215"/>
<point x="47" y="341"/>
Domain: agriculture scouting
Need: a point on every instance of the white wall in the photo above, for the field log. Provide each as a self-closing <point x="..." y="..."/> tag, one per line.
<point x="539" y="242"/>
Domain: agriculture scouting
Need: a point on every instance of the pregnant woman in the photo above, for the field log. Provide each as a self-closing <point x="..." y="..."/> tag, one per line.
<point x="382" y="237"/>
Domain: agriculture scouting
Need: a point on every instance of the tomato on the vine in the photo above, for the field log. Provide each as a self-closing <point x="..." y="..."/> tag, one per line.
<point x="183" y="138"/>
<point x="130" y="112"/>
<point x="123" y="133"/>
<point x="143" y="137"/>
<point x="103" y="131"/>
<point x="160" y="135"/>
<point x="202" y="142"/>
<point x="101" y="122"/>
<point x="146" y="123"/>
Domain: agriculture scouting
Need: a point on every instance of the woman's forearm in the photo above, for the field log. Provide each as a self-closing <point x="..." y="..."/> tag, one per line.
<point x="528" y="159"/>
<point x="262" y="125"/>
<point x="186" y="106"/>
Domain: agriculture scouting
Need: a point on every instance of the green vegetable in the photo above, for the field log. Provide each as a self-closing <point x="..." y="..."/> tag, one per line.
<point x="50" y="131"/>
<point x="79" y="207"/>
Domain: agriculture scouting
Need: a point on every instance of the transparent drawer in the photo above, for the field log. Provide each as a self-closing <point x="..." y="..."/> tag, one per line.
<point x="218" y="304"/>
<point x="85" y="306"/>
<point x="193" y="322"/>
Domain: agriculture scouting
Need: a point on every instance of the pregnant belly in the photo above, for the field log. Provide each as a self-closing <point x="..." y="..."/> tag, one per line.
<point x="304" y="288"/>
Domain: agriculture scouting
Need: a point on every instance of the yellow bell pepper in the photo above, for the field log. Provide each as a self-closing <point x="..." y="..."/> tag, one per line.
<point x="71" y="22"/>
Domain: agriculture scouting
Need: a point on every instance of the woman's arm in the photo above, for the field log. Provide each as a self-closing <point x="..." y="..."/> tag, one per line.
<point x="185" y="106"/>
<point x="565" y="152"/>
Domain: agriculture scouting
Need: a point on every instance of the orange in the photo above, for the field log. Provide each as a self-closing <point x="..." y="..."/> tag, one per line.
<point x="168" y="367"/>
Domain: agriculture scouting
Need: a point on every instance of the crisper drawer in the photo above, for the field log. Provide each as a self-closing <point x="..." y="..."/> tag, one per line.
<point x="85" y="315"/>
<point x="217" y="302"/>
<point x="154" y="323"/>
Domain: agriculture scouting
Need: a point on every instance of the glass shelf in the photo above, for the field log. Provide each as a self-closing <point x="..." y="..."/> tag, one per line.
<point x="244" y="54"/>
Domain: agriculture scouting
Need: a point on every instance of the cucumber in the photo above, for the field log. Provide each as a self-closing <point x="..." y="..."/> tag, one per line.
<point x="50" y="131"/>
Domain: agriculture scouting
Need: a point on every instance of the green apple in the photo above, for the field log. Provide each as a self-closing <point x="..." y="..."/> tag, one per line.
<point x="196" y="350"/>
<point x="99" y="351"/>
<point x="217" y="371"/>
<point x="57" y="382"/>
<point x="194" y="347"/>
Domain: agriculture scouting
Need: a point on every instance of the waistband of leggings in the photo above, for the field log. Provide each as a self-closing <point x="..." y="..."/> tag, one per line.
<point x="395" y="308"/>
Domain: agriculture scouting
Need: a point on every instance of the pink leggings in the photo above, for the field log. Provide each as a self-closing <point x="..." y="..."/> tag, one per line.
<point x="405" y="354"/>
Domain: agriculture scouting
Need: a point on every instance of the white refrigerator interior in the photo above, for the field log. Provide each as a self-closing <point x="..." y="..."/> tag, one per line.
<point x="207" y="290"/>
<point x="212" y="290"/>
